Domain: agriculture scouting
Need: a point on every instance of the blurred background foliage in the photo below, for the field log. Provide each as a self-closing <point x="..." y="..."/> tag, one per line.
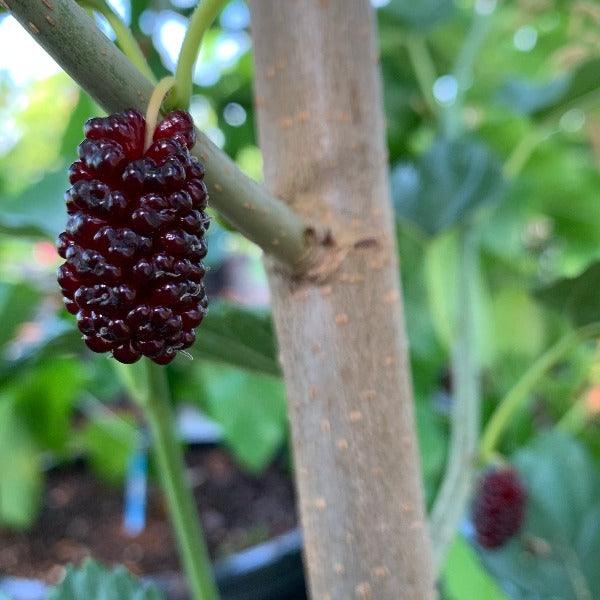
<point x="521" y="79"/>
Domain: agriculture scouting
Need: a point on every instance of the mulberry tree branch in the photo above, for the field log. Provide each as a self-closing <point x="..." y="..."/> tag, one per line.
<point x="71" y="37"/>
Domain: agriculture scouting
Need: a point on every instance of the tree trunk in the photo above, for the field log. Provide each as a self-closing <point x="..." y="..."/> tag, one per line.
<point x="341" y="333"/>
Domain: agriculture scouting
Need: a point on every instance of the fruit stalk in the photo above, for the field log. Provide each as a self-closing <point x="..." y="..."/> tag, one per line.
<point x="71" y="37"/>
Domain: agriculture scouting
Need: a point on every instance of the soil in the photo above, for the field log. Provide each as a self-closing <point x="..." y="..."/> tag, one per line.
<point x="82" y="516"/>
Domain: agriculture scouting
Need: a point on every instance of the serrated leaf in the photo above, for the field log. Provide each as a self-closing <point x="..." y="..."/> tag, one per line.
<point x="447" y="184"/>
<point x="558" y="550"/>
<point x="94" y="582"/>
<point x="421" y="15"/>
<point x="239" y="337"/>
<point x="577" y="297"/>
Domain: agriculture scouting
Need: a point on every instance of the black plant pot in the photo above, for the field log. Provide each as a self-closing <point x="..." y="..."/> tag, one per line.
<point x="269" y="571"/>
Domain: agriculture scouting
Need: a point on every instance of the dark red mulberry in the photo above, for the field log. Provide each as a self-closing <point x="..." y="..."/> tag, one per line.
<point x="134" y="240"/>
<point x="499" y="507"/>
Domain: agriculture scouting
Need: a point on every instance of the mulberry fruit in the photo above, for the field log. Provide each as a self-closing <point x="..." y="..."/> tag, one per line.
<point x="499" y="507"/>
<point x="134" y="240"/>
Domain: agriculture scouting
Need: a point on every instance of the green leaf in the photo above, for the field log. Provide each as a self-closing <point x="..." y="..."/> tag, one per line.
<point x="557" y="553"/>
<point x="73" y="135"/>
<point x="576" y="297"/>
<point x="39" y="211"/>
<point x="555" y="96"/>
<point x="20" y="474"/>
<point x="94" y="582"/>
<point x="528" y="98"/>
<point x="17" y="304"/>
<point x="518" y="323"/>
<point x="251" y="410"/>
<point x="582" y="83"/>
<point x="432" y="445"/>
<point x="464" y="578"/>
<point x="441" y="271"/>
<point x="58" y="337"/>
<point x="447" y="185"/>
<point x="44" y="400"/>
<point x="420" y="15"/>
<point x="239" y="337"/>
<point x="109" y="440"/>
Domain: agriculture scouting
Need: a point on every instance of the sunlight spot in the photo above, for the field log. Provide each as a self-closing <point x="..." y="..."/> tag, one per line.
<point x="445" y="89"/>
<point x="525" y="39"/>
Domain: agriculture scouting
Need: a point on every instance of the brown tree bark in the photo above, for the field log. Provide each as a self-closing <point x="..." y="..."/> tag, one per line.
<point x="341" y="334"/>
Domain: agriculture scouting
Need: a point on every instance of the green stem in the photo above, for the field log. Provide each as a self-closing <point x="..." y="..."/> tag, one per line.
<point x="162" y="89"/>
<point x="147" y="383"/>
<point x="520" y="396"/>
<point x="422" y="63"/>
<point x="522" y="153"/>
<point x="524" y="150"/>
<point x="125" y="39"/>
<point x="201" y="19"/>
<point x="576" y="418"/>
<point x="455" y="490"/>
<point x="184" y="516"/>
<point x="463" y="72"/>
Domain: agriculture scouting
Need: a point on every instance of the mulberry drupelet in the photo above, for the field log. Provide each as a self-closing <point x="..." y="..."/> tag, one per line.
<point x="134" y="240"/>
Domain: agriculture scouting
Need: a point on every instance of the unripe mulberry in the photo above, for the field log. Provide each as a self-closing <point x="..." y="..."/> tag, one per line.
<point x="499" y="507"/>
<point x="134" y="240"/>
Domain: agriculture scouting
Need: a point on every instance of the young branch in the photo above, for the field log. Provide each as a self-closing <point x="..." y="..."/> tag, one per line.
<point x="71" y="37"/>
